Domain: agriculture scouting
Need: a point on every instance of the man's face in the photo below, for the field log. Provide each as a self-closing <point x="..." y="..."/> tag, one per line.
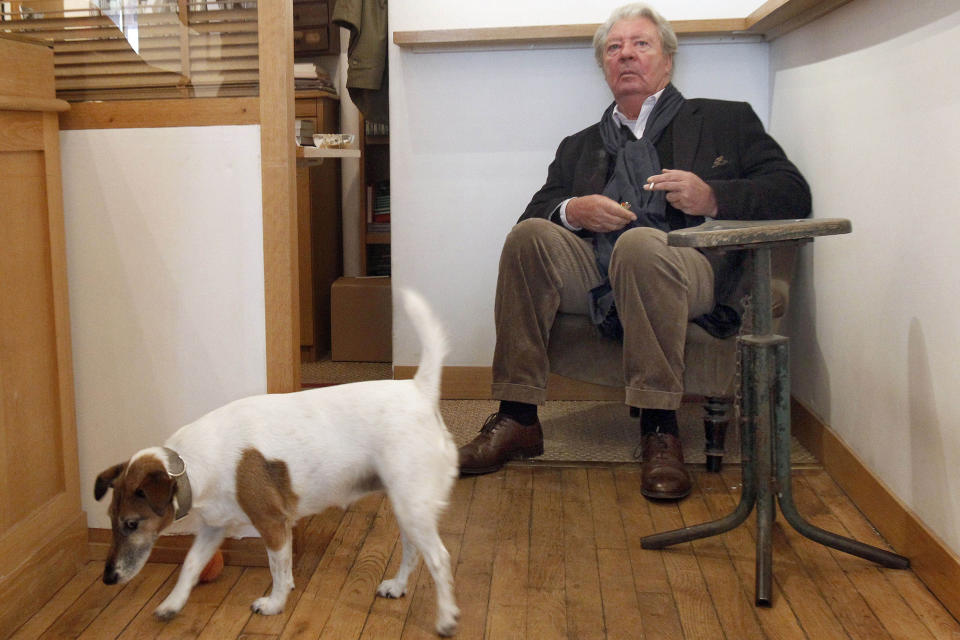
<point x="634" y="63"/>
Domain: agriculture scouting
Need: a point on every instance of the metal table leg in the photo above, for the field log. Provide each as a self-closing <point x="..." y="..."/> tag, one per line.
<point x="765" y="443"/>
<point x="785" y="496"/>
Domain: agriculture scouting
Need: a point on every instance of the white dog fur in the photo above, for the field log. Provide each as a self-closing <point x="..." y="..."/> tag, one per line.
<point x="269" y="460"/>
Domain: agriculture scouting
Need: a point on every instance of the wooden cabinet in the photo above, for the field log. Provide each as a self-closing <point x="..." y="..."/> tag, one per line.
<point x="313" y="32"/>
<point x="43" y="532"/>
<point x="319" y="228"/>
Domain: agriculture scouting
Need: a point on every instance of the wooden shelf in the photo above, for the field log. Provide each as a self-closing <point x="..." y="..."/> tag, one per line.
<point x="542" y="36"/>
<point x="772" y="20"/>
<point x="323" y="152"/>
<point x="309" y="156"/>
<point x="378" y="237"/>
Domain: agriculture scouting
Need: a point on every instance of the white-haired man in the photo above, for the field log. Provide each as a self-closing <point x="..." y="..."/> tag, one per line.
<point x="580" y="247"/>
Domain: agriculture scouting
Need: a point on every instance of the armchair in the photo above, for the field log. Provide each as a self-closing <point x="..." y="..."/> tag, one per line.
<point x="576" y="350"/>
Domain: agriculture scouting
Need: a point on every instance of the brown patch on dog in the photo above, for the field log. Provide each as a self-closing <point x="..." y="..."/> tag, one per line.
<point x="265" y="494"/>
<point x="148" y="479"/>
<point x="138" y="490"/>
<point x="142" y="506"/>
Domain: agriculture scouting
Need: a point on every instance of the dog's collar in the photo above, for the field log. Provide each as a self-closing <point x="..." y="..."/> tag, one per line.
<point x="183" y="496"/>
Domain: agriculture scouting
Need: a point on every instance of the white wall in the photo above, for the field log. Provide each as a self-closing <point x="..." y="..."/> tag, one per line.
<point x="164" y="242"/>
<point x="867" y="101"/>
<point x="472" y="133"/>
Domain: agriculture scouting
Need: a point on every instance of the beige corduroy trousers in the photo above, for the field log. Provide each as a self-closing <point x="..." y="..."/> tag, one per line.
<point x="546" y="269"/>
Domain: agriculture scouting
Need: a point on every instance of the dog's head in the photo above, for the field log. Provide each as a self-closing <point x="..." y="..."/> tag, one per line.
<point x="143" y="505"/>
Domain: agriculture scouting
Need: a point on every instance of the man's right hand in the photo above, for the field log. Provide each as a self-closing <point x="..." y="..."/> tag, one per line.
<point x="598" y="213"/>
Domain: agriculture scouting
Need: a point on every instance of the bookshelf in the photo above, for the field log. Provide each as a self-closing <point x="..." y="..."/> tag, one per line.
<point x="375" y="178"/>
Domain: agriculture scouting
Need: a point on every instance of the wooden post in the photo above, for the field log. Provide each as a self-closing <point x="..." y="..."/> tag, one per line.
<point x="279" y="184"/>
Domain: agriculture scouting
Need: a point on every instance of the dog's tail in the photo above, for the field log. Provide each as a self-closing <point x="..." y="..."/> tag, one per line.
<point x="433" y="343"/>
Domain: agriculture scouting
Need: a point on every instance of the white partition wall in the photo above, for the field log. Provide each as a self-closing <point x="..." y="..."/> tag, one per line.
<point x="165" y="270"/>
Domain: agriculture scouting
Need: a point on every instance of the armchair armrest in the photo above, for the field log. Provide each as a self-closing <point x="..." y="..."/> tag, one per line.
<point x="743" y="234"/>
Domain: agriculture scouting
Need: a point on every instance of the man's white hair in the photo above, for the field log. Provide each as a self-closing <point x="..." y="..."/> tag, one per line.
<point x="668" y="38"/>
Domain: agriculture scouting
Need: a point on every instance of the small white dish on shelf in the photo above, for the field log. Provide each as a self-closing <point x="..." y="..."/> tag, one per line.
<point x="333" y="140"/>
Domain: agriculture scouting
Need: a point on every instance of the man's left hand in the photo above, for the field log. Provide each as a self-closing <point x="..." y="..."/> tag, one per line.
<point x="685" y="191"/>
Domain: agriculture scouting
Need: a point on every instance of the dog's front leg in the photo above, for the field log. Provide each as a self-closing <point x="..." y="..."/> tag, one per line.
<point x="206" y="542"/>
<point x="281" y="570"/>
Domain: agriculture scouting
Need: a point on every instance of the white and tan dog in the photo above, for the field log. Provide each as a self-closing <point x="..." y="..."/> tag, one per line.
<point x="269" y="460"/>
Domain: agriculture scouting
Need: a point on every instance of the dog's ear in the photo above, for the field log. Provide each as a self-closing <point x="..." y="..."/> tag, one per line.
<point x="157" y="488"/>
<point x="106" y="478"/>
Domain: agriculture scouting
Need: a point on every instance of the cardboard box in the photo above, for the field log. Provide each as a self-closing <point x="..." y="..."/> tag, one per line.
<point x="361" y="320"/>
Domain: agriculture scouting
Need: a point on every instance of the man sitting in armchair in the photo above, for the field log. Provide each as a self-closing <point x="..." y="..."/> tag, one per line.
<point x="593" y="241"/>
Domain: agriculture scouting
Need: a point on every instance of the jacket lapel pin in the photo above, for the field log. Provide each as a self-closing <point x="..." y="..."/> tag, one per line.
<point x="719" y="161"/>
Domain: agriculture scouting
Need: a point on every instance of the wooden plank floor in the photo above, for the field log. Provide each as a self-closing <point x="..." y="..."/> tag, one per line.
<point x="540" y="552"/>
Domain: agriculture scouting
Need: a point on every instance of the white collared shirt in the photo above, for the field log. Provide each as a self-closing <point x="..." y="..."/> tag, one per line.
<point x="636" y="126"/>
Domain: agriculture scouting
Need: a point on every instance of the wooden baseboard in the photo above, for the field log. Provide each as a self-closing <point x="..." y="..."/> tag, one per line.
<point x="932" y="561"/>
<point x="246" y="552"/>
<point x="473" y="383"/>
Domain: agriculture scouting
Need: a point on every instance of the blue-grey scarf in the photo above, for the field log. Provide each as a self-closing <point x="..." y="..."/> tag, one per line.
<point x="634" y="161"/>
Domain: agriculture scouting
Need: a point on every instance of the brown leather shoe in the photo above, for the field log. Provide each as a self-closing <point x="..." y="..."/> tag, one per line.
<point x="664" y="475"/>
<point x="501" y="439"/>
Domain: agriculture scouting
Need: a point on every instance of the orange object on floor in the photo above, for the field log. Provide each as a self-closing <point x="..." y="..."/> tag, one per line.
<point x="212" y="571"/>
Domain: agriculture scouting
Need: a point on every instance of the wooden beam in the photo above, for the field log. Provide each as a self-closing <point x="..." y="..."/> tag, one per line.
<point x="20" y="103"/>
<point x="544" y="36"/>
<point x="175" y="112"/>
<point x="778" y="17"/>
<point x="773" y="19"/>
<point x="279" y="187"/>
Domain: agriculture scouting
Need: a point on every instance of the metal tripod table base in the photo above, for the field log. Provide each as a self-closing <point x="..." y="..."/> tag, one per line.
<point x="765" y="443"/>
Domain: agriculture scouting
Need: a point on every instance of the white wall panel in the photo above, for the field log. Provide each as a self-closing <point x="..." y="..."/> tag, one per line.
<point x="165" y="271"/>
<point x="866" y="99"/>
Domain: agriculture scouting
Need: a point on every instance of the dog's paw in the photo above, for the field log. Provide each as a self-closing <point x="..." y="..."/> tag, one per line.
<point x="447" y="622"/>
<point x="391" y="589"/>
<point x="165" y="613"/>
<point x="447" y="629"/>
<point x="267" y="607"/>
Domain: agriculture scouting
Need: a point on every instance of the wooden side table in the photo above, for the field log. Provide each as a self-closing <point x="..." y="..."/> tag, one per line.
<point x="765" y="404"/>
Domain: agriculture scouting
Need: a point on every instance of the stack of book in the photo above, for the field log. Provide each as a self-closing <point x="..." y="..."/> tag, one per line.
<point x="378" y="221"/>
<point x="309" y="76"/>
<point x="373" y="129"/>
<point x="304" y="130"/>
<point x="378" y="207"/>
